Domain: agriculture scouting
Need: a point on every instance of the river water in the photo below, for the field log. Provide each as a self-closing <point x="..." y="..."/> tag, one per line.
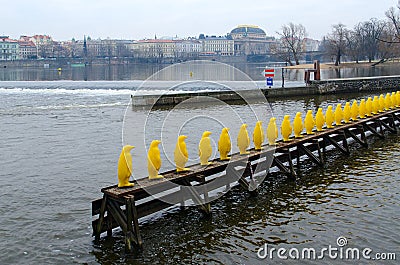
<point x="60" y="145"/>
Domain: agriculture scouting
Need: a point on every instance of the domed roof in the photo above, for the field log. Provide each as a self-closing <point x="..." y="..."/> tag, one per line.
<point x="249" y="31"/>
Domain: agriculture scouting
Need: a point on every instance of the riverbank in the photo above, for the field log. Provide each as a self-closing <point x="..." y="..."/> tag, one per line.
<point x="321" y="87"/>
<point x="394" y="62"/>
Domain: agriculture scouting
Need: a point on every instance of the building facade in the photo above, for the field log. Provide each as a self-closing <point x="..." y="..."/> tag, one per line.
<point x="250" y="40"/>
<point x="216" y="45"/>
<point x="9" y="49"/>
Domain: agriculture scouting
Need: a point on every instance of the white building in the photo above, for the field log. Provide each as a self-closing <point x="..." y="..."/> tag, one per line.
<point x="9" y="49"/>
<point x="217" y="45"/>
<point x="155" y="48"/>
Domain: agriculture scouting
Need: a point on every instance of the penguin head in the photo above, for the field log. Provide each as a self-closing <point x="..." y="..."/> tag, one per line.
<point x="225" y="130"/>
<point x="339" y="105"/>
<point x="298" y="114"/>
<point x="309" y="112"/>
<point x="244" y="125"/>
<point x="155" y="143"/>
<point x="182" y="138"/>
<point x="128" y="148"/>
<point x="330" y="107"/>
<point x="286" y="117"/>
<point x="319" y="109"/>
<point x="206" y="134"/>
<point x="347" y="104"/>
<point x="259" y="123"/>
<point x="273" y="119"/>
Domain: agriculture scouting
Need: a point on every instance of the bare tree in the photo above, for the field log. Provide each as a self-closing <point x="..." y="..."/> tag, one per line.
<point x="292" y="41"/>
<point x="281" y="51"/>
<point x="337" y="41"/>
<point x="394" y="19"/>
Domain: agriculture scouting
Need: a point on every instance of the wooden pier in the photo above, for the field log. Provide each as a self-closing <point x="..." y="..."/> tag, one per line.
<point x="123" y="207"/>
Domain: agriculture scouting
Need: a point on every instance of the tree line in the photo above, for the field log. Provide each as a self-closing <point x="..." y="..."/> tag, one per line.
<point x="375" y="39"/>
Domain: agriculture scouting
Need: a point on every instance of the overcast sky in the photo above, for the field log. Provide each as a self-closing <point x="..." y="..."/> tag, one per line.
<point x="138" y="19"/>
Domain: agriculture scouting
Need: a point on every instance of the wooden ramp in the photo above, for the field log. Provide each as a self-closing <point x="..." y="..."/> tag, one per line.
<point x="122" y="207"/>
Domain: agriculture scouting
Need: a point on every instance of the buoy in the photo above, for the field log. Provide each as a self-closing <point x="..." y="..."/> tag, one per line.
<point x="298" y="125"/>
<point x="368" y="107"/>
<point x="286" y="128"/>
<point x="381" y="103"/>
<point x="125" y="167"/>
<point x="154" y="160"/>
<point x="258" y="136"/>
<point x="272" y="131"/>
<point x="243" y="140"/>
<point x="309" y="122"/>
<point x="338" y="115"/>
<point x="319" y="120"/>
<point x="224" y="144"/>
<point x="205" y="148"/>
<point x="354" y="110"/>
<point x="330" y="117"/>
<point x="59" y="69"/>
<point x="181" y="155"/>
<point x="375" y="105"/>
<point x="362" y="109"/>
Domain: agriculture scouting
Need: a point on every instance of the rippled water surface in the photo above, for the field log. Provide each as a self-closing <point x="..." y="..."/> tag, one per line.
<point x="58" y="149"/>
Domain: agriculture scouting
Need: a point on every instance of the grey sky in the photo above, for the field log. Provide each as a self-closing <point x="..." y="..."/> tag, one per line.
<point x="137" y="19"/>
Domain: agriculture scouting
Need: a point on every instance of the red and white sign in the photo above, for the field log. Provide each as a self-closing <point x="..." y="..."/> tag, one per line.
<point x="269" y="72"/>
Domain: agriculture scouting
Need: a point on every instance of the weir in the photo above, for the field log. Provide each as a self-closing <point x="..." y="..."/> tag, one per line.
<point x="123" y="207"/>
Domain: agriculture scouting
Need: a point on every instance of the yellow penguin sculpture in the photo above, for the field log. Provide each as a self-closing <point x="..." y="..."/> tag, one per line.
<point x="394" y="100"/>
<point x="125" y="167"/>
<point x="258" y="136"/>
<point x="309" y="122"/>
<point x="338" y="115"/>
<point x="362" y="109"/>
<point x="388" y="101"/>
<point x="243" y="140"/>
<point x="368" y="107"/>
<point x="205" y="148"/>
<point x="398" y="99"/>
<point x="298" y="125"/>
<point x="347" y="113"/>
<point x="330" y="117"/>
<point x="319" y="120"/>
<point x="154" y="160"/>
<point x="181" y="155"/>
<point x="381" y="103"/>
<point x="354" y="110"/>
<point x="224" y="144"/>
<point x="272" y="131"/>
<point x="286" y="128"/>
<point x="375" y="105"/>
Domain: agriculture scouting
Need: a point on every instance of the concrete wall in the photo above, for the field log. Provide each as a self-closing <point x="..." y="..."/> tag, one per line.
<point x="332" y="86"/>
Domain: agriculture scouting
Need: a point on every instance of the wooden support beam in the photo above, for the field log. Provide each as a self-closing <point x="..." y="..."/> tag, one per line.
<point x="316" y="160"/>
<point x="374" y="131"/>
<point x="355" y="137"/>
<point x="387" y="126"/>
<point x="117" y="215"/>
<point x="283" y="168"/>
<point x="343" y="148"/>
<point x="101" y="217"/>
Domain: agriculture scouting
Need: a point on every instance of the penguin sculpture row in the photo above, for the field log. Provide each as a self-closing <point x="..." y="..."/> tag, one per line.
<point x="350" y="112"/>
<point x="353" y="112"/>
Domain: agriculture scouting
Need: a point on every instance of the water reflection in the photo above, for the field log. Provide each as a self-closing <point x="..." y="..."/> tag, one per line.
<point x="143" y="71"/>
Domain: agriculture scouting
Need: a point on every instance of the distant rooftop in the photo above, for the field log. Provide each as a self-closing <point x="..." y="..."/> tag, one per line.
<point x="248" y="31"/>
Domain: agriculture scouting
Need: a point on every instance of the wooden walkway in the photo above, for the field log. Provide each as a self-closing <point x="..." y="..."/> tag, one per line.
<point x="123" y="207"/>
